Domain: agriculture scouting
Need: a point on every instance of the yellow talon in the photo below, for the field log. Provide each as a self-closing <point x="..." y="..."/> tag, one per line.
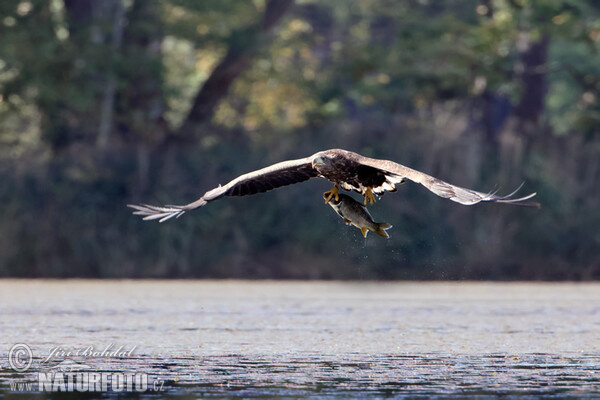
<point x="334" y="192"/>
<point x="369" y="197"/>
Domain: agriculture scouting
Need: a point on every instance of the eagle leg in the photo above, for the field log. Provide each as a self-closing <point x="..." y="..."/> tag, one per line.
<point x="334" y="192"/>
<point x="369" y="197"/>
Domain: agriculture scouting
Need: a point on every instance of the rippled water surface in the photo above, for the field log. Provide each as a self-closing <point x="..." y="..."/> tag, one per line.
<point x="231" y="339"/>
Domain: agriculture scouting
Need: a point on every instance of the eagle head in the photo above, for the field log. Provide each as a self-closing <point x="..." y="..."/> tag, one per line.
<point x="321" y="162"/>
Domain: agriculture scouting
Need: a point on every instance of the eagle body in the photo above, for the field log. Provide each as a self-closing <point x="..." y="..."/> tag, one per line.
<point x="346" y="169"/>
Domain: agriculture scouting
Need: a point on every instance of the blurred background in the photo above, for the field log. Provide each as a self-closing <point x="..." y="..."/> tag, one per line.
<point x="104" y="103"/>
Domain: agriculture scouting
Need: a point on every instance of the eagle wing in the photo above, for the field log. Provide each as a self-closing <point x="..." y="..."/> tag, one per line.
<point x="398" y="172"/>
<point x="262" y="180"/>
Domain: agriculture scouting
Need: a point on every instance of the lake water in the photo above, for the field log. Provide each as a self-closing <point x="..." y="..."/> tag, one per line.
<point x="269" y="339"/>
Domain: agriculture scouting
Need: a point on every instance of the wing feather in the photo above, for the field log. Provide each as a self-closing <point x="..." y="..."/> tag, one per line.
<point x="262" y="180"/>
<point x="396" y="172"/>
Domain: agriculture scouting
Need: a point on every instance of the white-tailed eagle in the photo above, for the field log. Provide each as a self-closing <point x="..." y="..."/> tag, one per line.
<point x="348" y="170"/>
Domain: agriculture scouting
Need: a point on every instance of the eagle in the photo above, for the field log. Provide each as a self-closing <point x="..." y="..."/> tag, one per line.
<point x="345" y="169"/>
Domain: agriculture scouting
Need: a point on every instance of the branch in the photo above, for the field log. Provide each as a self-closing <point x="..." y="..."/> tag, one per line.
<point x="235" y="62"/>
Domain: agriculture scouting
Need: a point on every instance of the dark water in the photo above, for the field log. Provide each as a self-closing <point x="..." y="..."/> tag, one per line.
<point x="230" y="339"/>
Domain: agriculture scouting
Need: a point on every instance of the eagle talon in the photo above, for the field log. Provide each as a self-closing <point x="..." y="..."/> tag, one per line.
<point x="334" y="192"/>
<point x="369" y="197"/>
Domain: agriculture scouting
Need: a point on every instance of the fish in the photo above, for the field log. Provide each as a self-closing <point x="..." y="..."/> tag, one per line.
<point x="356" y="214"/>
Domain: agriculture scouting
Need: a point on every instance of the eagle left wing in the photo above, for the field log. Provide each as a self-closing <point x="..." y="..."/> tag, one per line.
<point x="262" y="180"/>
<point x="397" y="172"/>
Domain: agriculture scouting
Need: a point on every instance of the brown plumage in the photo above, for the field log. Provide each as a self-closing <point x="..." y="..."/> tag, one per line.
<point x="349" y="170"/>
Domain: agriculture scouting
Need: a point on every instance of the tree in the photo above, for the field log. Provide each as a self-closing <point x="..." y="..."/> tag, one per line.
<point x="243" y="46"/>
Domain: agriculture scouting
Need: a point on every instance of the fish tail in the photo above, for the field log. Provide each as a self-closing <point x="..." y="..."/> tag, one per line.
<point x="381" y="229"/>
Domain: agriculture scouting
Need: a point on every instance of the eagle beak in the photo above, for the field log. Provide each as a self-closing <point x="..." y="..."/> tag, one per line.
<point x="318" y="161"/>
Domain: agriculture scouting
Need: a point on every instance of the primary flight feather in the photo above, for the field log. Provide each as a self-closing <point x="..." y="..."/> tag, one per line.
<point x="348" y="170"/>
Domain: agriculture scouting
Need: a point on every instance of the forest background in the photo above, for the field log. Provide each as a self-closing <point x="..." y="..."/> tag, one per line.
<point x="104" y="103"/>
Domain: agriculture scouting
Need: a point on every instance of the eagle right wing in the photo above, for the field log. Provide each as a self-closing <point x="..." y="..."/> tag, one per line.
<point x="262" y="180"/>
<point x="397" y="172"/>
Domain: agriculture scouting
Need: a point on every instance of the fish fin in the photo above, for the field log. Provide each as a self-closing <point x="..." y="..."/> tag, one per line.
<point x="364" y="231"/>
<point x="381" y="229"/>
<point x="347" y="221"/>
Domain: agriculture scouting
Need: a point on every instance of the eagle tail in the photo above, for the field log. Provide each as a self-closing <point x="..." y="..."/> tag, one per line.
<point x="382" y="227"/>
<point x="154" y="212"/>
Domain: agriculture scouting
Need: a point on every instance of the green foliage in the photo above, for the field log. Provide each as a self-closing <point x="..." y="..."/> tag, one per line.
<point x="472" y="92"/>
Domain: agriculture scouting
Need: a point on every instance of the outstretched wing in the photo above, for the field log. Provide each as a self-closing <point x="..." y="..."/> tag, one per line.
<point x="397" y="172"/>
<point x="262" y="180"/>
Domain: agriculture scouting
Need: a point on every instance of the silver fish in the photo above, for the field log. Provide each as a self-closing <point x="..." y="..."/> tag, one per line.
<point x="356" y="214"/>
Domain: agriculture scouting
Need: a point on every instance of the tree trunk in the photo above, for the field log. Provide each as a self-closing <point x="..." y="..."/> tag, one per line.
<point x="80" y="15"/>
<point x="533" y="80"/>
<point x="108" y="95"/>
<point x="235" y="62"/>
<point x="141" y="104"/>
